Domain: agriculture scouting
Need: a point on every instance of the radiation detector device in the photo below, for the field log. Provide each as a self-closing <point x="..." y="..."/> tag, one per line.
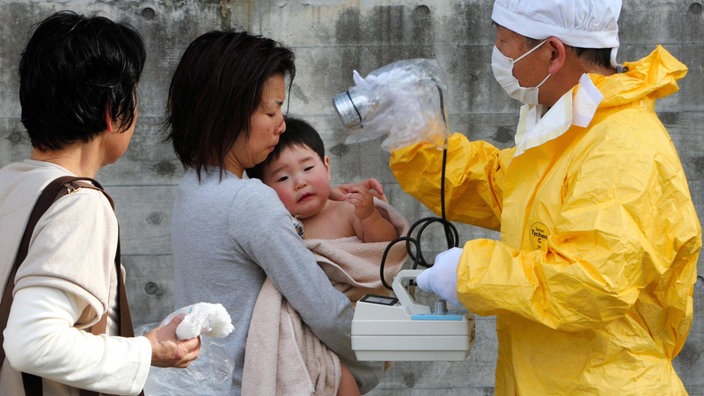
<point x="403" y="328"/>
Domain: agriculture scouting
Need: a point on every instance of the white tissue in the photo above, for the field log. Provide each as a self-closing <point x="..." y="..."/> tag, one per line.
<point x="211" y="320"/>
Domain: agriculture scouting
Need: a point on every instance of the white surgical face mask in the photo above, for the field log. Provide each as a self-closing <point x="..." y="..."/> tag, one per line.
<point x="502" y="67"/>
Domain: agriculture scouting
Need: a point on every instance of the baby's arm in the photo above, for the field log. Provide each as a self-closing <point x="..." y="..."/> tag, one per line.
<point x="368" y="223"/>
<point x="348" y="385"/>
<point x="339" y="193"/>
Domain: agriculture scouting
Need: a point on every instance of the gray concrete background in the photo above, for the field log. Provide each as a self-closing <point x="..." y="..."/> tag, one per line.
<point x="331" y="38"/>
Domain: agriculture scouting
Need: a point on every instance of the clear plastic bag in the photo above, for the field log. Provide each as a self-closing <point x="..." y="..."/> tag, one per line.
<point x="211" y="372"/>
<point x="403" y="101"/>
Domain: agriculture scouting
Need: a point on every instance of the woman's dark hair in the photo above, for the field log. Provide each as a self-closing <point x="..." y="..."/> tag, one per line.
<point x="215" y="89"/>
<point x="75" y="70"/>
<point x="298" y="133"/>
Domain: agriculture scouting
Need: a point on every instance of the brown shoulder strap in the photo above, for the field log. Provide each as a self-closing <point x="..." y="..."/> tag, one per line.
<point x="53" y="191"/>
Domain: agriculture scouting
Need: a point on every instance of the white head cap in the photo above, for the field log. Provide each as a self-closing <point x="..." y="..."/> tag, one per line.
<point x="578" y="23"/>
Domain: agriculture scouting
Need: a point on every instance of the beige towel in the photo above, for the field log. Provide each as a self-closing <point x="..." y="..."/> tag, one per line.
<point x="353" y="266"/>
<point x="283" y="357"/>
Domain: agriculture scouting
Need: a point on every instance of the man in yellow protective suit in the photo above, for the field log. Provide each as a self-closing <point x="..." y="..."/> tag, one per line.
<point x="592" y="280"/>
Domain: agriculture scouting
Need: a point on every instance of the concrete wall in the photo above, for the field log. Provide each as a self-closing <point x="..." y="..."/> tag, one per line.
<point x="331" y="38"/>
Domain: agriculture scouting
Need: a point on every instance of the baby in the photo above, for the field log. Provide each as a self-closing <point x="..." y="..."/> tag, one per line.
<point x="299" y="171"/>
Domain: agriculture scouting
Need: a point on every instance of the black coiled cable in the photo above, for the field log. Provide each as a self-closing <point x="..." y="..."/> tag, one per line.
<point x="451" y="235"/>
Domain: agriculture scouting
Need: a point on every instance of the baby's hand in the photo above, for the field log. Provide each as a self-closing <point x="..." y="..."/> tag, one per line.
<point x="370" y="225"/>
<point x="372" y="185"/>
<point x="362" y="198"/>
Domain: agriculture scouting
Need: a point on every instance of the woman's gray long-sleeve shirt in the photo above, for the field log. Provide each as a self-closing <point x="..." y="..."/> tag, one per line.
<point x="228" y="236"/>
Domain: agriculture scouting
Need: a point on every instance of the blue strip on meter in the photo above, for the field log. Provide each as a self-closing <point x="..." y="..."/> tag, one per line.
<point x="436" y="317"/>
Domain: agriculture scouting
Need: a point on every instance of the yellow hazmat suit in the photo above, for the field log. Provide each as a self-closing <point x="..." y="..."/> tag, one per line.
<point x="592" y="281"/>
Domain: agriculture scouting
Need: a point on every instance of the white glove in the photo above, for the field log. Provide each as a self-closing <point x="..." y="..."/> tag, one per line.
<point x="441" y="278"/>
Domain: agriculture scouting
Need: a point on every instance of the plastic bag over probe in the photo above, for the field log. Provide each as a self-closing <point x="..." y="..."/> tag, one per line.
<point x="403" y="101"/>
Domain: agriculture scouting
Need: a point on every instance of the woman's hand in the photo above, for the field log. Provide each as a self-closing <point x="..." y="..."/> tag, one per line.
<point x="168" y="350"/>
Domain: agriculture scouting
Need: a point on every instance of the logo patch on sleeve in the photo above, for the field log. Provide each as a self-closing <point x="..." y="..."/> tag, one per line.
<point x="538" y="236"/>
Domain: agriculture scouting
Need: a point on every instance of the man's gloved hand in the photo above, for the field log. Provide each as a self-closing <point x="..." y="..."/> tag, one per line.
<point x="441" y="278"/>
